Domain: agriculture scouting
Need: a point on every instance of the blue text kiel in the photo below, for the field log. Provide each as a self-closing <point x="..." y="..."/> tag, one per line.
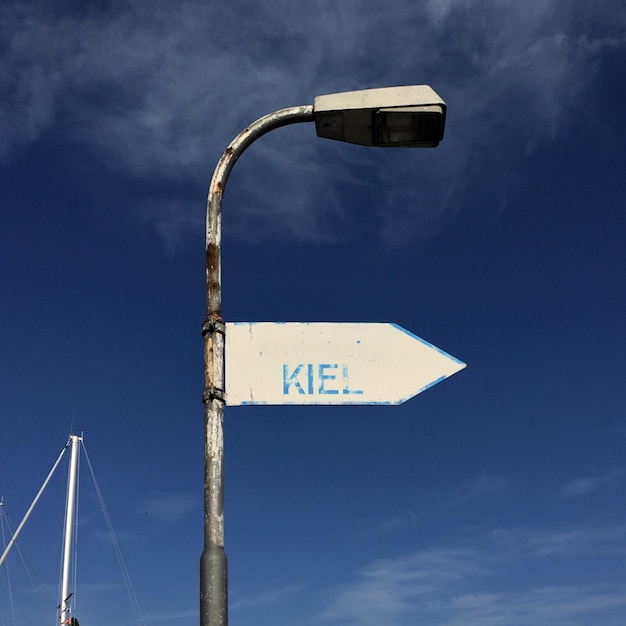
<point x="317" y="378"/>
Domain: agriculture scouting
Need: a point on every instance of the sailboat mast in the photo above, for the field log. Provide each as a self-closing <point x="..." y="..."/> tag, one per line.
<point x="70" y="516"/>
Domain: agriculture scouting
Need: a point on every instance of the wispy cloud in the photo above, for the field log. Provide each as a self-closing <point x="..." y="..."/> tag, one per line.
<point x="172" y="616"/>
<point x="407" y="519"/>
<point x="587" y="485"/>
<point x="388" y="590"/>
<point x="570" y="542"/>
<point x="618" y="429"/>
<point x="120" y="537"/>
<point x="271" y="596"/>
<point x="490" y="584"/>
<point x="159" y="90"/>
<point x="479" y="488"/>
<point x="168" y="507"/>
<point x="557" y="606"/>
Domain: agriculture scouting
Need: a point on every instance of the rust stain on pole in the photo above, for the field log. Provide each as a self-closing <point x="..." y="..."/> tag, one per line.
<point x="213" y="274"/>
<point x="212" y="256"/>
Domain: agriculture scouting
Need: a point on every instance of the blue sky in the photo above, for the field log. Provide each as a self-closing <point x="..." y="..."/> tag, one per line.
<point x="494" y="498"/>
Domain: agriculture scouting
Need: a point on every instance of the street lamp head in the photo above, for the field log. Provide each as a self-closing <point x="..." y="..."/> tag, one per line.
<point x="396" y="117"/>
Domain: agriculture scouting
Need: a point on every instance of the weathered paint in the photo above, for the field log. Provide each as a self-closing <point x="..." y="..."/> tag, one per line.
<point x="326" y="363"/>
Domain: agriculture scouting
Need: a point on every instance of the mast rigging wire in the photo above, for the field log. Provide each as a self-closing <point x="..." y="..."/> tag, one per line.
<point x="7" y="565"/>
<point x="5" y="520"/>
<point x="116" y="546"/>
<point x="32" y="506"/>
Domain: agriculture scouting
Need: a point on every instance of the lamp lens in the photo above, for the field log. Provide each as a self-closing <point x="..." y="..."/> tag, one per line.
<point x="408" y="128"/>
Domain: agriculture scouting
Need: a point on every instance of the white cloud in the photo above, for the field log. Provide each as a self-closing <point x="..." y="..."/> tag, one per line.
<point x="120" y="537"/>
<point x="172" y="616"/>
<point x="403" y="521"/>
<point x="482" y="486"/>
<point x="169" y="507"/>
<point x="390" y="589"/>
<point x="569" y="542"/>
<point x="557" y="606"/>
<point x="587" y="485"/>
<point x="160" y="89"/>
<point x="492" y="583"/>
<point x="271" y="596"/>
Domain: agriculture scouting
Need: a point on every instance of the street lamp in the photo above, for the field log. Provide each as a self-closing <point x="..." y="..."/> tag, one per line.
<point x="393" y="117"/>
<point x="412" y="116"/>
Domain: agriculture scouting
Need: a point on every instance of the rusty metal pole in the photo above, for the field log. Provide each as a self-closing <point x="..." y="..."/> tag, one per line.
<point x="213" y="563"/>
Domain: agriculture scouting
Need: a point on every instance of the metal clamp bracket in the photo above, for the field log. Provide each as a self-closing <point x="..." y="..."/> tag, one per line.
<point x="211" y="326"/>
<point x="213" y="393"/>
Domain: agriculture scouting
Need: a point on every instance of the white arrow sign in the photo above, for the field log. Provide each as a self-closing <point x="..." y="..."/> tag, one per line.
<point x="327" y="363"/>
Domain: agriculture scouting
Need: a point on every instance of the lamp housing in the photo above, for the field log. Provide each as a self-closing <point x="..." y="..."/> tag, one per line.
<point x="396" y="117"/>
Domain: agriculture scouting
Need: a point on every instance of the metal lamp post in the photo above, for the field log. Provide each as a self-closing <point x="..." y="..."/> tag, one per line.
<point x="412" y="116"/>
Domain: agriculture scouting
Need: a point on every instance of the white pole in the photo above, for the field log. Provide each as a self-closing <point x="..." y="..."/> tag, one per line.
<point x="70" y="515"/>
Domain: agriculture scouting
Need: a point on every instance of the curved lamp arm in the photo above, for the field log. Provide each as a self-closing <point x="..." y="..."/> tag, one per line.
<point x="243" y="140"/>
<point x="213" y="563"/>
